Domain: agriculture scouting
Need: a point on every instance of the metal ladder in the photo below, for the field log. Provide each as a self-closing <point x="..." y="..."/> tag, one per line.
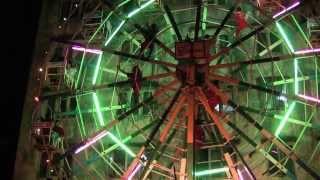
<point x="92" y="23"/>
<point x="314" y="31"/>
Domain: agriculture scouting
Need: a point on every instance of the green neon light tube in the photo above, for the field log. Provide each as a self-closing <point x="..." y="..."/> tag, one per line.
<point x="81" y="118"/>
<point x="115" y="146"/>
<point x="211" y="171"/>
<point x="301" y="31"/>
<point x="96" y="71"/>
<point x="80" y="69"/>
<point x="97" y="106"/>
<point x="204" y="18"/>
<point x="123" y="146"/>
<point x="140" y="8"/>
<point x="285" y="119"/>
<point x="296" y="82"/>
<point x="114" y="33"/>
<point x="285" y="37"/>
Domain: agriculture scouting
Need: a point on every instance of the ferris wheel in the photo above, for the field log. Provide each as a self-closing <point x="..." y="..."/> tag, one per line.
<point x="194" y="91"/>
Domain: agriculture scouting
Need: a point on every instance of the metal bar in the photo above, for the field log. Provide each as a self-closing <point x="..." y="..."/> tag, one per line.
<point x="246" y="37"/>
<point x="286" y="150"/>
<point x="242" y="160"/>
<point x="78" y="92"/>
<point x="256" y="124"/>
<point x="107" y="162"/>
<point x="82" y="167"/>
<point x="198" y="17"/>
<point x="173" y="22"/>
<point x="156" y="40"/>
<point x="155" y="130"/>
<point x="139" y="58"/>
<point x="234" y="81"/>
<point x="172" y="116"/>
<point x="203" y="99"/>
<point x="115" y="146"/>
<point x="225" y="134"/>
<point x="183" y="164"/>
<point x="114" y="122"/>
<point x="165" y="48"/>
<point x="277" y="116"/>
<point x="258" y="147"/>
<point x="190" y="137"/>
<point x="225" y="19"/>
<point x="133" y="165"/>
<point x="231" y="166"/>
<point x="157" y="155"/>
<point x="263" y="60"/>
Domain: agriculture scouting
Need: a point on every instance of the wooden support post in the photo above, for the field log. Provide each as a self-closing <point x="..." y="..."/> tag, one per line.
<point x="183" y="164"/>
<point x="133" y="165"/>
<point x="190" y="136"/>
<point x="214" y="117"/>
<point x="231" y="166"/>
<point x="172" y="117"/>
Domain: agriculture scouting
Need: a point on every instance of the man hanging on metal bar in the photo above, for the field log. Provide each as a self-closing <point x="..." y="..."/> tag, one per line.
<point x="148" y="43"/>
<point x="241" y="22"/>
<point x="135" y="77"/>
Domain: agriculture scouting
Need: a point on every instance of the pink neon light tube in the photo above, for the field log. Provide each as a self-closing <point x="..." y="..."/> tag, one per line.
<point x="134" y="172"/>
<point x="240" y="175"/>
<point x="306" y="51"/>
<point x="309" y="98"/>
<point x="92" y="141"/>
<point x="286" y="10"/>
<point x="94" y="51"/>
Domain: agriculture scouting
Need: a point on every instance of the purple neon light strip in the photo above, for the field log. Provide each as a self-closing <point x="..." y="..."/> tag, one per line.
<point x="134" y="172"/>
<point x="240" y="174"/>
<point x="94" y="51"/>
<point x="309" y="98"/>
<point x="286" y="9"/>
<point x="144" y="157"/>
<point x="306" y="51"/>
<point x="92" y="141"/>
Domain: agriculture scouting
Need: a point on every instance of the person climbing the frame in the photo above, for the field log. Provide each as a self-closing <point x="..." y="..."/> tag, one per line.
<point x="135" y="77"/>
<point x="148" y="42"/>
<point x="241" y="22"/>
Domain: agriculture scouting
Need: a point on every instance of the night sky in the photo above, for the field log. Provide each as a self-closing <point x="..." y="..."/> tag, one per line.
<point x="18" y="28"/>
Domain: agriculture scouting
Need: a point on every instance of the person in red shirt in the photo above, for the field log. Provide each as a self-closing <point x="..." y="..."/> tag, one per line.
<point x="241" y="22"/>
<point x="213" y="98"/>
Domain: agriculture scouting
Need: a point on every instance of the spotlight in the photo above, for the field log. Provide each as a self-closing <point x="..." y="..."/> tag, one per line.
<point x="36" y="99"/>
<point x="282" y="98"/>
<point x="38" y="133"/>
<point x="40" y="69"/>
<point x="64" y="19"/>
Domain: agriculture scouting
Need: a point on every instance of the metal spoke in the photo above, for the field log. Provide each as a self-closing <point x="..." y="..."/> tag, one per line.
<point x="139" y="58"/>
<point x="262" y="60"/>
<point x="198" y="18"/>
<point x="224" y="21"/>
<point x="173" y="22"/>
<point x="156" y="40"/>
